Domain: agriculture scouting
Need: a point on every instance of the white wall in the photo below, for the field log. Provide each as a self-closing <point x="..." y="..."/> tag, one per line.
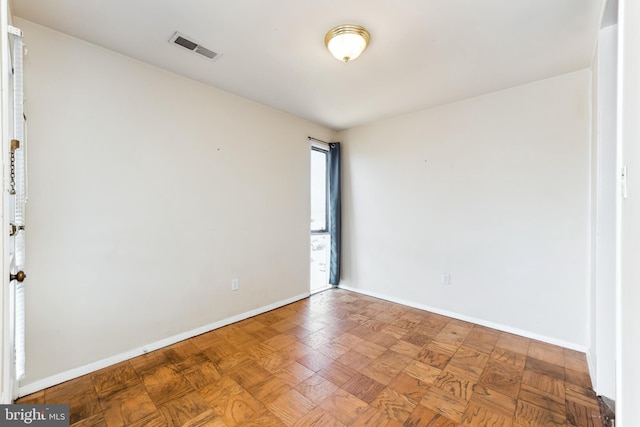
<point x="493" y="190"/>
<point x="148" y="194"/>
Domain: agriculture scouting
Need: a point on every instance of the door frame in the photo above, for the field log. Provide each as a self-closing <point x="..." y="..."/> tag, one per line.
<point x="8" y="384"/>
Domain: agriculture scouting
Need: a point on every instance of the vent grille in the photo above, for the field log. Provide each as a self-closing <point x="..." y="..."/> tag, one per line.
<point x="206" y="52"/>
<point x="187" y="43"/>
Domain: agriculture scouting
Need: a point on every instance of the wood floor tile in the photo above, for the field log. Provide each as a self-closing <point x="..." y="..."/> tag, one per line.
<point x="369" y="349"/>
<point x="441" y="347"/>
<point x="149" y="362"/>
<point x="406" y="348"/>
<point x="542" y="399"/>
<point x="339" y="358"/>
<point x="343" y="406"/>
<point x="202" y="375"/>
<point x="546" y="352"/>
<point x="445" y="403"/>
<point x="220" y="351"/>
<point x="575" y="363"/>
<point x="425" y="373"/>
<point x="314" y="361"/>
<point x="478" y="416"/>
<point x="206" y="419"/>
<point x="458" y="386"/>
<point x="156" y="419"/>
<point x="70" y="390"/>
<point x="280" y="341"/>
<point x="348" y="339"/>
<point x="269" y="389"/>
<point x="530" y="415"/>
<point x="432" y="358"/>
<point x="502" y="378"/>
<point x="249" y="374"/>
<point x="183" y="409"/>
<point x="165" y="383"/>
<point x="93" y="421"/>
<point x="382" y="372"/>
<point x="544" y="383"/>
<point x="514" y="343"/>
<point x="394" y="331"/>
<point x="126" y="406"/>
<point x="423" y="416"/>
<point x="181" y="351"/>
<point x="333" y="350"/>
<point x="363" y="387"/>
<point x="580" y="378"/>
<point x="264" y="418"/>
<point x="206" y="340"/>
<point x="293" y="374"/>
<point x="276" y="361"/>
<point x="265" y="333"/>
<point x="296" y="350"/>
<point x="395" y="405"/>
<point x="494" y="401"/>
<point x="258" y="350"/>
<point x="317" y="339"/>
<point x="337" y="373"/>
<point x="483" y="334"/>
<point x="508" y="356"/>
<point x="393" y="358"/>
<point x="417" y="338"/>
<point x="233" y="362"/>
<point x="290" y="407"/>
<point x="581" y="415"/>
<point x="234" y="405"/>
<point x="316" y="388"/>
<point x="80" y="407"/>
<point x="413" y="388"/>
<point x="317" y="417"/>
<point x="355" y="360"/>
<point x="373" y="417"/>
<point x="544" y="368"/>
<point x="117" y="376"/>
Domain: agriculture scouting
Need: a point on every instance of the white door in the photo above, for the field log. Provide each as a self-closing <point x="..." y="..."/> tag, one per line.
<point x="16" y="199"/>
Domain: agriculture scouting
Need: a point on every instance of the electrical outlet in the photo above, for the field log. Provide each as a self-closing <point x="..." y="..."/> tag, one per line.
<point x="235" y="285"/>
<point x="446" y="279"/>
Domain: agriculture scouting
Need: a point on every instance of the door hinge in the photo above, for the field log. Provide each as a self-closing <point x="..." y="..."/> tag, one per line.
<point x="14" y="30"/>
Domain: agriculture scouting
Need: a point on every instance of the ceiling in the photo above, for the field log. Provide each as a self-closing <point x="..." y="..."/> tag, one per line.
<point x="423" y="53"/>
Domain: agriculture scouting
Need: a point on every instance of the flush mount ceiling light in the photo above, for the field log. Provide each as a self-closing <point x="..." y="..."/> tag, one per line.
<point x="347" y="42"/>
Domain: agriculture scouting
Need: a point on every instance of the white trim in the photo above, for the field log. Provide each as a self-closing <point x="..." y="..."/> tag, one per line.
<point x="477" y="321"/>
<point x="591" y="366"/>
<point x="100" y="364"/>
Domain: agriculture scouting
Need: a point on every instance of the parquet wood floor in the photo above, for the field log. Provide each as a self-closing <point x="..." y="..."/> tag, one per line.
<point x="340" y="359"/>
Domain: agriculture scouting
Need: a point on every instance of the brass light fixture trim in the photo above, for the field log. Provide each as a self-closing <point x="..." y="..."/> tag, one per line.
<point x="341" y="35"/>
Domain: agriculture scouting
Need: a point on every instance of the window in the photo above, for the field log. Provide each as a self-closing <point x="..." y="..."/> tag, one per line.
<point x="318" y="190"/>
<point x="320" y="239"/>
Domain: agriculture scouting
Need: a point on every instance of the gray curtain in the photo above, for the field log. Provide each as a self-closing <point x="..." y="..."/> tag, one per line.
<point x="335" y="208"/>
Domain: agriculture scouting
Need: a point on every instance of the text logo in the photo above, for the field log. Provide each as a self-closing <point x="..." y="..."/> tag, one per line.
<point x="34" y="415"/>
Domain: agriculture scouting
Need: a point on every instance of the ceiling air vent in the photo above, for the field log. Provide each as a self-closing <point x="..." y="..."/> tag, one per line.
<point x="184" y="41"/>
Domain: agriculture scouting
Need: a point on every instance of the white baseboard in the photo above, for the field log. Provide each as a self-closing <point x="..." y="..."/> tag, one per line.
<point x="100" y="364"/>
<point x="592" y="371"/>
<point x="477" y="321"/>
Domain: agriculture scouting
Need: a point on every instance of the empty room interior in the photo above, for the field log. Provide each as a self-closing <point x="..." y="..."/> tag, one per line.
<point x="480" y="206"/>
